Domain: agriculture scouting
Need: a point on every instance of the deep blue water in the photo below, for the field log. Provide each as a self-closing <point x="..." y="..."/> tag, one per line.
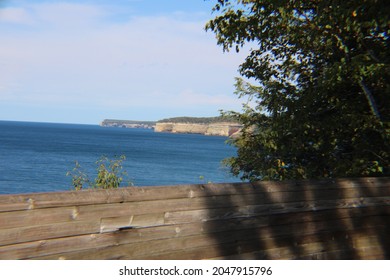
<point x="35" y="157"/>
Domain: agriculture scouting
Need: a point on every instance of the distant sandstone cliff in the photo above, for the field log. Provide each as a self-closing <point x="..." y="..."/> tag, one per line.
<point x="218" y="126"/>
<point x="217" y="129"/>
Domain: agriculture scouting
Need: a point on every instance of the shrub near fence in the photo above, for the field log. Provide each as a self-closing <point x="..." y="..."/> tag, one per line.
<point x="330" y="219"/>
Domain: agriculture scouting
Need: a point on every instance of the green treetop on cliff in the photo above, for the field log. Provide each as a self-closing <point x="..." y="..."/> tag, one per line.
<point x="204" y="120"/>
<point x="320" y="77"/>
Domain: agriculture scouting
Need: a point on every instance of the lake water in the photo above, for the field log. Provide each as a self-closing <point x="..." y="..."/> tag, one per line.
<point x="35" y="157"/>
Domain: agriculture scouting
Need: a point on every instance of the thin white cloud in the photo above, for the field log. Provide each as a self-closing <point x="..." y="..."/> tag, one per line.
<point x="15" y="15"/>
<point x="67" y="16"/>
<point x="75" y="55"/>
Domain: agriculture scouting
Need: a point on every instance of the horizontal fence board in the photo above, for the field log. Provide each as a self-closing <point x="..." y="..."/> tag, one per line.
<point x="348" y="246"/>
<point x="315" y="250"/>
<point x="370" y="253"/>
<point x="198" y="253"/>
<point x="93" y="241"/>
<point x="55" y="246"/>
<point x="15" y="219"/>
<point x="228" y="244"/>
<point x="341" y="218"/>
<point x="39" y="232"/>
<point x="131" y="194"/>
<point x="239" y="231"/>
<point x="251" y="202"/>
<point x="281" y="224"/>
<point x="95" y="215"/>
<point x="271" y="209"/>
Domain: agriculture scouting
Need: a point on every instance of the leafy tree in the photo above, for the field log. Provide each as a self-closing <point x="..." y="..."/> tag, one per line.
<point x="318" y="73"/>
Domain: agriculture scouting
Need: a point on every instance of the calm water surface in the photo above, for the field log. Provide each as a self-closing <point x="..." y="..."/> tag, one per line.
<point x="35" y="157"/>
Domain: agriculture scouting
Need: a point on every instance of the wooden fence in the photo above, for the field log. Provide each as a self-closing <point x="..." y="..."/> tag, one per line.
<point x="333" y="219"/>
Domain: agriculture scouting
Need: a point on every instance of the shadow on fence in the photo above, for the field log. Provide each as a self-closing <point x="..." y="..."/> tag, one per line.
<point x="329" y="219"/>
<point x="341" y="219"/>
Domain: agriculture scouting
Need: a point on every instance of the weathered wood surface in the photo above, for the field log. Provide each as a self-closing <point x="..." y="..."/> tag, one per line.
<point x="328" y="219"/>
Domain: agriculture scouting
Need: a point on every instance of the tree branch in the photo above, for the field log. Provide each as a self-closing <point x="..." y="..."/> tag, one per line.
<point x="371" y="100"/>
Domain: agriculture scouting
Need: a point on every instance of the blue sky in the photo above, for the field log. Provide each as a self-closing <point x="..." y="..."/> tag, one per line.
<point x="82" y="61"/>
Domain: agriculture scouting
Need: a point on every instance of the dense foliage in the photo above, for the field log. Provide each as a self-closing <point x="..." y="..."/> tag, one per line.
<point x="205" y="120"/>
<point x="320" y="82"/>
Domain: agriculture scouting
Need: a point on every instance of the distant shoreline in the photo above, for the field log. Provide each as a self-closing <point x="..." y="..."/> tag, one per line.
<point x="215" y="126"/>
<point x="128" y="124"/>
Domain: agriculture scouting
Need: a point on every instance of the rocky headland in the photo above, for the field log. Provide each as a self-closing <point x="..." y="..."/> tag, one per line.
<point x="216" y="129"/>
<point x="217" y="126"/>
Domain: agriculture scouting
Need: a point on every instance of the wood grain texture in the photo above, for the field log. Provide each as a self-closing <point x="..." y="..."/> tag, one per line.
<point x="326" y="219"/>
